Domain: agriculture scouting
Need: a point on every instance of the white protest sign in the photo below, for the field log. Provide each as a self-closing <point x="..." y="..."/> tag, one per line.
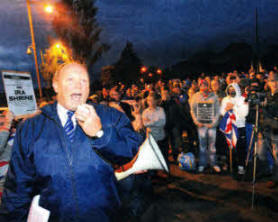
<point x="19" y="92"/>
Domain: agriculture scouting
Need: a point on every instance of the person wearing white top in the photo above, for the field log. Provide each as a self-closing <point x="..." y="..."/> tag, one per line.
<point x="236" y="102"/>
<point x="154" y="118"/>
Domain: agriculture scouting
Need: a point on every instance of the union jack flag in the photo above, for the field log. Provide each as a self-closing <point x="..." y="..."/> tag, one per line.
<point x="228" y="127"/>
<point x="4" y="165"/>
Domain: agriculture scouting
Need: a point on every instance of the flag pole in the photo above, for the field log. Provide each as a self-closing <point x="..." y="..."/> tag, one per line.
<point x="231" y="159"/>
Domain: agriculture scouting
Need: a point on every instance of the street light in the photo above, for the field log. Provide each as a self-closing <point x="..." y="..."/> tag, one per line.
<point x="159" y="71"/>
<point x="33" y="46"/>
<point x="48" y="8"/>
<point x="58" y="45"/>
<point x="143" y="69"/>
<point x="61" y="51"/>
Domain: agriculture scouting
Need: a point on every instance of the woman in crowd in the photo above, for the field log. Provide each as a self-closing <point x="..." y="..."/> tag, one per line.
<point x="235" y="102"/>
<point x="154" y="119"/>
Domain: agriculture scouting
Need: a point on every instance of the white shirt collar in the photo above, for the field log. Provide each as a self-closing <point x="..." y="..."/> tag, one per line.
<point x="63" y="116"/>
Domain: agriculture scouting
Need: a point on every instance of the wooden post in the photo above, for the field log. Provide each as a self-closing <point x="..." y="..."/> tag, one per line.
<point x="231" y="159"/>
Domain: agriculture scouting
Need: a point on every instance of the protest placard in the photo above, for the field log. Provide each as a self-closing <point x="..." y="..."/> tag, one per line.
<point x="19" y="92"/>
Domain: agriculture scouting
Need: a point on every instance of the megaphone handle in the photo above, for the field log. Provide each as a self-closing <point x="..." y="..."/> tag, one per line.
<point x="148" y="131"/>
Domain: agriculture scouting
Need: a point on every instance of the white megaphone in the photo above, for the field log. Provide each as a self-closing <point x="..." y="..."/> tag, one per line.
<point x="149" y="157"/>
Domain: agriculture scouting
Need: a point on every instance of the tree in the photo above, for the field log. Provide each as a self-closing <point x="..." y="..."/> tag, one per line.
<point x="76" y="26"/>
<point x="127" y="69"/>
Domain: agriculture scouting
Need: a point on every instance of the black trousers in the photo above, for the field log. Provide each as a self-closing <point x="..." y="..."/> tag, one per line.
<point x="241" y="150"/>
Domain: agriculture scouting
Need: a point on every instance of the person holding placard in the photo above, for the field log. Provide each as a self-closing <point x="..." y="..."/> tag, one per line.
<point x="205" y="114"/>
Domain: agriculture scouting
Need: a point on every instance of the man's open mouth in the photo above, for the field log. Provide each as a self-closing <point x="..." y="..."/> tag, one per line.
<point x="76" y="97"/>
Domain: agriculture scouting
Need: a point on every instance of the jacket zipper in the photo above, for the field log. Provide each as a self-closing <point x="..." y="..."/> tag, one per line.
<point x="72" y="180"/>
<point x="69" y="160"/>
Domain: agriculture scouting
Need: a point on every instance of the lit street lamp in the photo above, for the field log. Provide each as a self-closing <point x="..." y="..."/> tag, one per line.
<point x="33" y="45"/>
<point x="159" y="71"/>
<point x="60" y="51"/>
<point x="57" y="45"/>
<point x="48" y="8"/>
<point x="143" y="69"/>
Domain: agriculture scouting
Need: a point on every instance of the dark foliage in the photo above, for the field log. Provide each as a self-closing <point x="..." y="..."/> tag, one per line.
<point x="127" y="69"/>
<point x="75" y="24"/>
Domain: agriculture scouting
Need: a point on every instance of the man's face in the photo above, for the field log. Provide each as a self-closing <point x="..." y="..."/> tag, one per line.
<point x="116" y="95"/>
<point x="151" y="101"/>
<point x="252" y="75"/>
<point x="72" y="86"/>
<point x="104" y="92"/>
<point x="232" y="92"/>
<point x="164" y="94"/>
<point x="176" y="91"/>
<point x="134" y="92"/>
<point x="203" y="87"/>
<point x="259" y="76"/>
<point x="273" y="85"/>
<point x="214" y="86"/>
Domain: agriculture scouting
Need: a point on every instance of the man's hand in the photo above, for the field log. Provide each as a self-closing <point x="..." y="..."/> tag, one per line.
<point x="148" y="131"/>
<point x="146" y="119"/>
<point x="88" y="119"/>
<point x="229" y="106"/>
<point x="209" y="125"/>
<point x="200" y="125"/>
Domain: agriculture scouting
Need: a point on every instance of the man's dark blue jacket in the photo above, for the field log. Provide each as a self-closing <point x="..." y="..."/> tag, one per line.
<point x="75" y="183"/>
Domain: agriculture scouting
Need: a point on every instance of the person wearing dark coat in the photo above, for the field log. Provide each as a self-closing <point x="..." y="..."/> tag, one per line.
<point x="115" y="102"/>
<point x="56" y="155"/>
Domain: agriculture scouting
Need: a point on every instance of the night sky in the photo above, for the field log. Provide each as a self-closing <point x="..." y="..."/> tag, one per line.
<point x="163" y="32"/>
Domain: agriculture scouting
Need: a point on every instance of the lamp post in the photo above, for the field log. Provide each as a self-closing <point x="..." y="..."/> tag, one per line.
<point x="33" y="46"/>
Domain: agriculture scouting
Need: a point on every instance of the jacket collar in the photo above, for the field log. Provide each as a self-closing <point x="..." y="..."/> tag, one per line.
<point x="51" y="111"/>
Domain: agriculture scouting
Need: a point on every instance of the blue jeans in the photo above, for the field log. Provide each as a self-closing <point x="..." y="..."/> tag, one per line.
<point x="207" y="138"/>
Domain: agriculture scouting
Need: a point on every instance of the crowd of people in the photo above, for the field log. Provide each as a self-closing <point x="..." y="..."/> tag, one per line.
<point x="172" y="109"/>
<point x="182" y="116"/>
<point x="194" y="108"/>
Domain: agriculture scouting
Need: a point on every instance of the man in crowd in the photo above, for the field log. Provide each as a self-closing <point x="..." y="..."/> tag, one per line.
<point x="7" y="130"/>
<point x="115" y="102"/>
<point x="270" y="128"/>
<point x="6" y="120"/>
<point x="215" y="88"/>
<point x="205" y="115"/>
<point x="177" y="118"/>
<point x="54" y="155"/>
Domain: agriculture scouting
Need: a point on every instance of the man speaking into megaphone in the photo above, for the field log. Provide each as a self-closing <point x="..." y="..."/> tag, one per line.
<point x="54" y="156"/>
